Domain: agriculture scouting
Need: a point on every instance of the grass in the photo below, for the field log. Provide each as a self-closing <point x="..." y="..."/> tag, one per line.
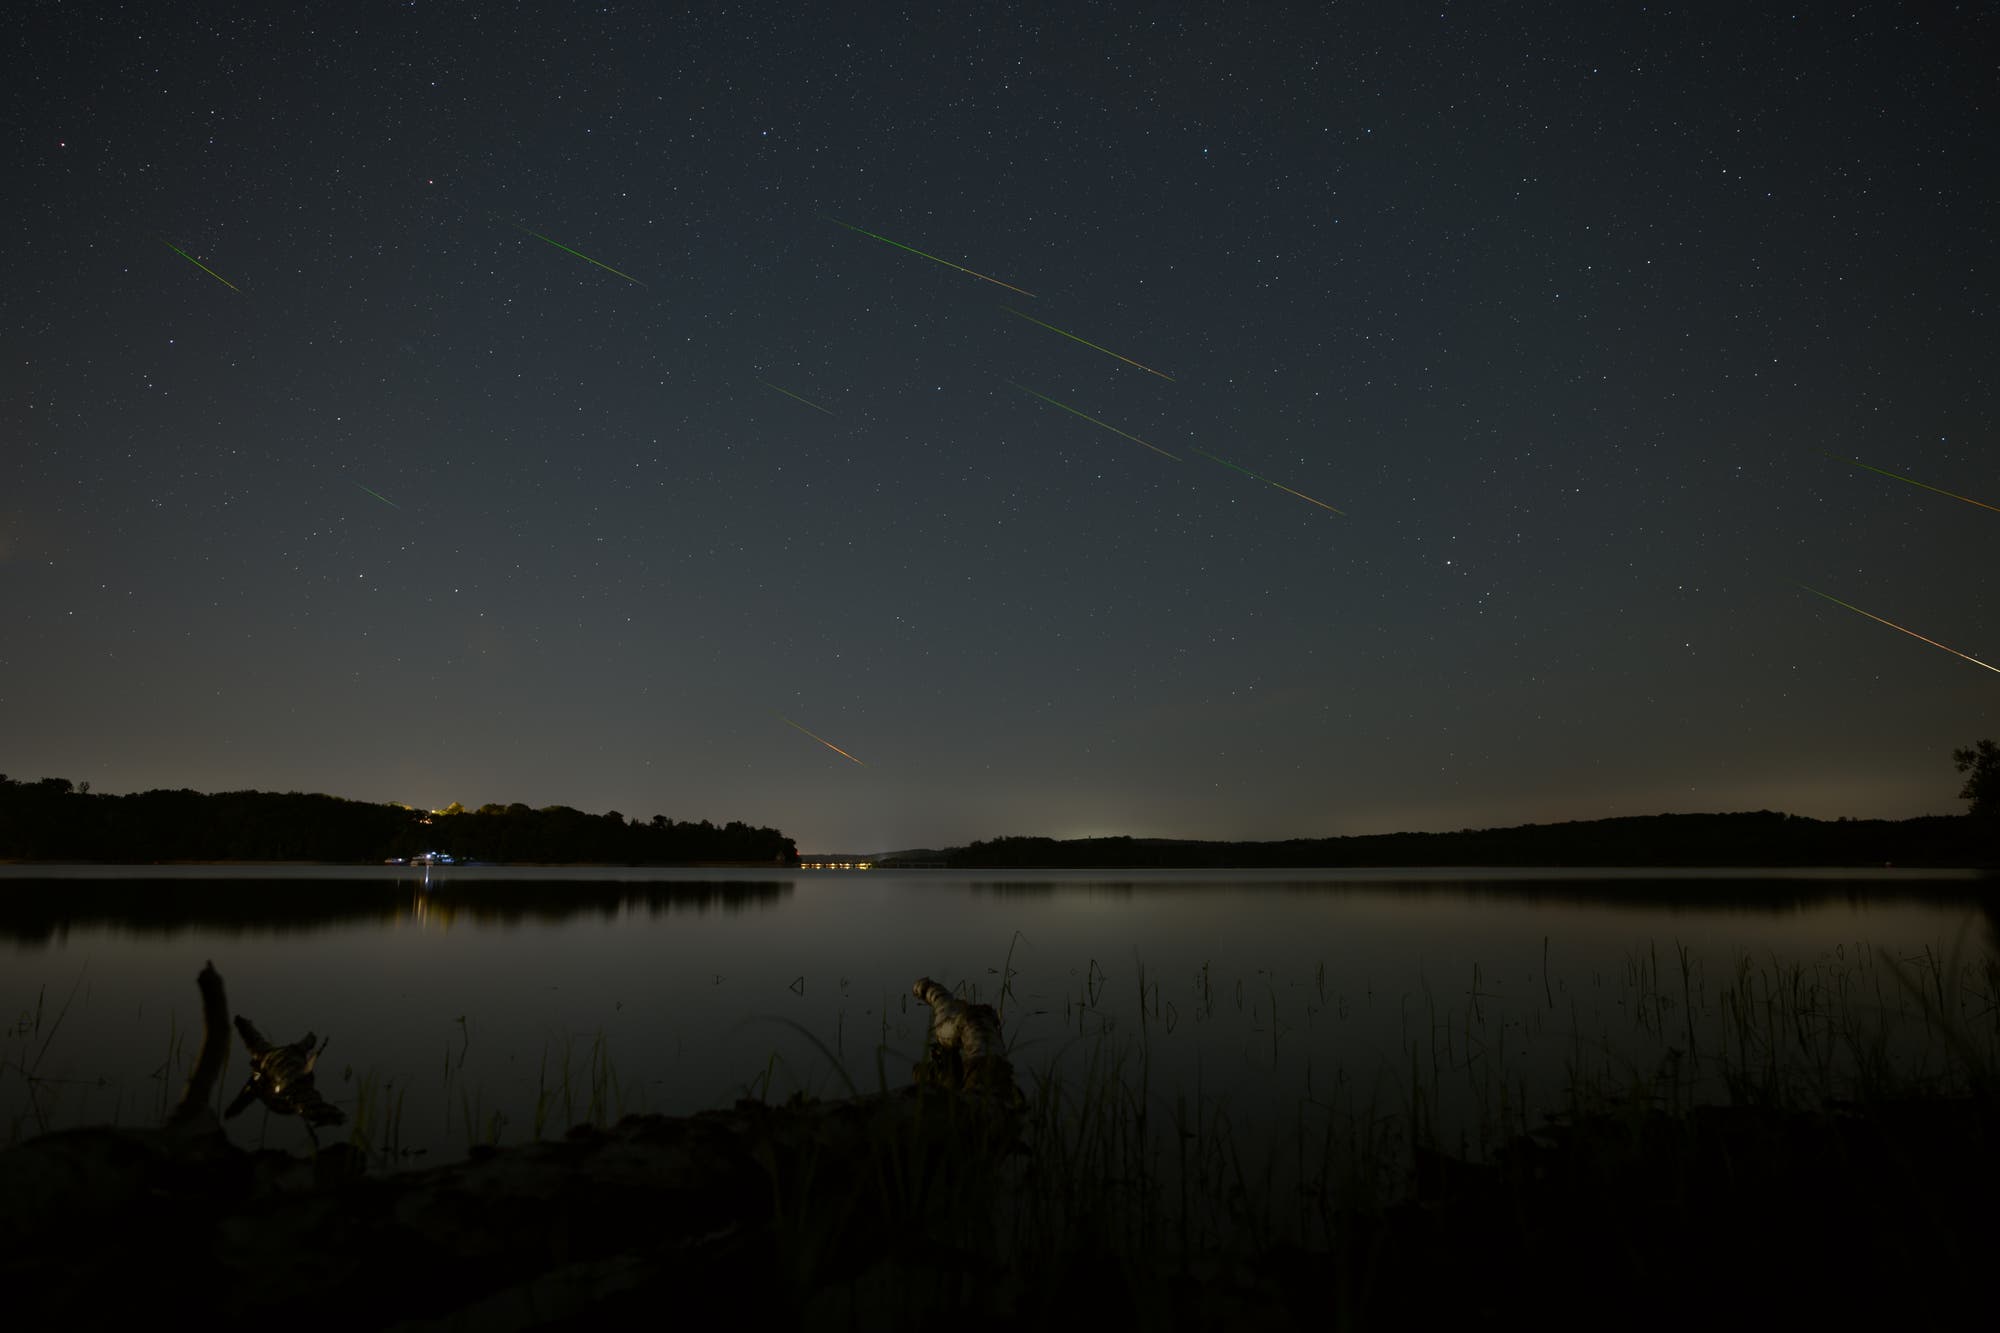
<point x="1701" y="1088"/>
<point x="43" y="1095"/>
<point x="1832" y="1081"/>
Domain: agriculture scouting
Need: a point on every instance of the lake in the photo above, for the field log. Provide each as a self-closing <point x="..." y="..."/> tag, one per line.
<point x="500" y="1003"/>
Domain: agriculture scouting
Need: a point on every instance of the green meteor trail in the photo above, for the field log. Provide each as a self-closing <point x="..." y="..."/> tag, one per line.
<point x="933" y="258"/>
<point x="1268" y="482"/>
<point x="1088" y="343"/>
<point x="383" y="498"/>
<point x="1093" y="420"/>
<point x="579" y="254"/>
<point x="1914" y="482"/>
<point x="1893" y="625"/>
<point x="789" y="394"/>
<point x="821" y="739"/>
<point x="203" y="267"/>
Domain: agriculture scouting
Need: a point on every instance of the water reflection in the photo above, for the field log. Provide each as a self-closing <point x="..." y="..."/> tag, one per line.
<point x="1705" y="891"/>
<point x="1712" y="894"/>
<point x="697" y="986"/>
<point x="41" y="911"/>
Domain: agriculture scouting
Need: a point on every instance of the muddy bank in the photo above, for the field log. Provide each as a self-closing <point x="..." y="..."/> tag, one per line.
<point x="955" y="1199"/>
<point x="780" y="1209"/>
<point x="900" y="1210"/>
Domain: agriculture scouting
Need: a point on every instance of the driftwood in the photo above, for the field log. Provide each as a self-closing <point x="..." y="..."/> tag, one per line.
<point x="878" y="1204"/>
<point x="281" y="1077"/>
<point x="966" y="1050"/>
<point x="214" y="1051"/>
<point x="600" y="1227"/>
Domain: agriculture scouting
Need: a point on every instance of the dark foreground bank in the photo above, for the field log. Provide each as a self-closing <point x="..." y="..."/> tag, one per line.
<point x="909" y="1209"/>
<point x="966" y="1200"/>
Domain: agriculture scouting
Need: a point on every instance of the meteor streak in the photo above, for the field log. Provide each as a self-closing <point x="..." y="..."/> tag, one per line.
<point x="933" y="258"/>
<point x="1088" y="343"/>
<point x="1914" y="482"/>
<point x="821" y="739"/>
<point x="1093" y="420"/>
<point x="789" y="394"/>
<point x="579" y="254"/>
<point x="1268" y="482"/>
<point x="383" y="498"/>
<point x="1893" y="625"/>
<point x="203" y="267"/>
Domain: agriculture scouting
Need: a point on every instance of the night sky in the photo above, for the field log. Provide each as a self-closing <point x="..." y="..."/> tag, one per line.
<point x="435" y="402"/>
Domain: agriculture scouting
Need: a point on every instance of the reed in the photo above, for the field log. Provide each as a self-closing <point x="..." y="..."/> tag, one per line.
<point x="377" y="1121"/>
<point x="1108" y="1188"/>
<point x="1778" y="1070"/>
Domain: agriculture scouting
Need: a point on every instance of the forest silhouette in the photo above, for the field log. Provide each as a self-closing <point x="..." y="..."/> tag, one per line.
<point x="54" y="819"/>
<point x="1756" y="838"/>
<point x="57" y="820"/>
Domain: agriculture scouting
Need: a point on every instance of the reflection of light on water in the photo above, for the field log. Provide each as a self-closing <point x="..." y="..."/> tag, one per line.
<point x="427" y="909"/>
<point x="1270" y="996"/>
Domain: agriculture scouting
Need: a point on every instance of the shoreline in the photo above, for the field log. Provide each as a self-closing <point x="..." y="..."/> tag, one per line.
<point x="899" y="1209"/>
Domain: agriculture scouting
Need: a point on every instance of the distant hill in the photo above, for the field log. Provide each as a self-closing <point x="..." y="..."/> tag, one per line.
<point x="54" y="820"/>
<point x="1759" y="838"/>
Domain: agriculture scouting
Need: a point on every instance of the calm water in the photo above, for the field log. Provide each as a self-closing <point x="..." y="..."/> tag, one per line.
<point x="492" y="999"/>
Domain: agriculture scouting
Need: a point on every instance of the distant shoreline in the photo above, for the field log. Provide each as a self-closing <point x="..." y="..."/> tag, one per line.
<point x="52" y="822"/>
<point x="1758" y="840"/>
<point x="386" y="866"/>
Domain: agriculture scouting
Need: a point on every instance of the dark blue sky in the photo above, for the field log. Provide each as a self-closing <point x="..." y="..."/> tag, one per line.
<point x="1574" y="310"/>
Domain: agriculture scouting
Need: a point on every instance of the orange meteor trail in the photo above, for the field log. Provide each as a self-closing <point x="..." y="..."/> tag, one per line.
<point x="203" y="267"/>
<point x="1893" y="625"/>
<point x="1268" y="482"/>
<point x="821" y="739"/>
<point x="1093" y="420"/>
<point x="1093" y="346"/>
<point x="789" y="394"/>
<point x="933" y="258"/>
<point x="1914" y="482"/>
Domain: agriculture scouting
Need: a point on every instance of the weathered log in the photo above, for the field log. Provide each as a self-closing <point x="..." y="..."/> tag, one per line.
<point x="966" y="1049"/>
<point x="282" y="1078"/>
<point x="646" y="1212"/>
<point x="214" y="1052"/>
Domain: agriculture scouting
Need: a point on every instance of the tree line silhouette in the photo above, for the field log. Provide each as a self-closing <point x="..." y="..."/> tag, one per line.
<point x="56" y="820"/>
<point x="1760" y="838"/>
